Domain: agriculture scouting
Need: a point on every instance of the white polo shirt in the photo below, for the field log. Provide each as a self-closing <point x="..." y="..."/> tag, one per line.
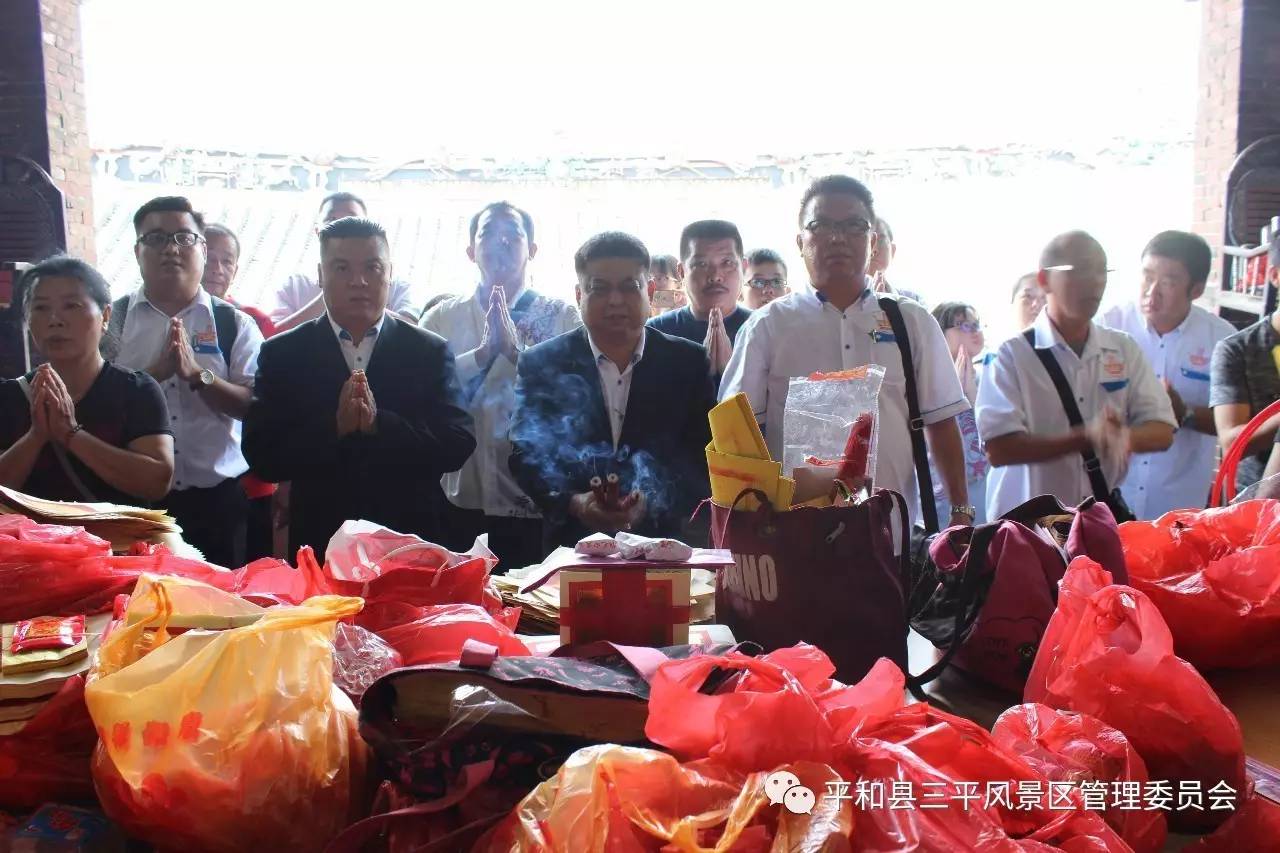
<point x="801" y="333"/>
<point x="1178" y="478"/>
<point x="616" y="384"/>
<point x="206" y="442"/>
<point x="1017" y="395"/>
<point x="485" y="482"/>
<point x="298" y="290"/>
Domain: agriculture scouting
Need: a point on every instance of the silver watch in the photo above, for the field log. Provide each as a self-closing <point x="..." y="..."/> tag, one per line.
<point x="203" y="380"/>
<point x="964" y="509"/>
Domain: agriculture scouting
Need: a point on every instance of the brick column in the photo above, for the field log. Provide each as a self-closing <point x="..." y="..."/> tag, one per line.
<point x="1239" y="99"/>
<point x="42" y="111"/>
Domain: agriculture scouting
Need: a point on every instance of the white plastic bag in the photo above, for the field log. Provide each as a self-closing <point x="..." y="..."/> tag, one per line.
<point x="821" y="410"/>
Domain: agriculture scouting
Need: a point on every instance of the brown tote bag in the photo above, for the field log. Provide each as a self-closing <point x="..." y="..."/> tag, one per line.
<point x="821" y="575"/>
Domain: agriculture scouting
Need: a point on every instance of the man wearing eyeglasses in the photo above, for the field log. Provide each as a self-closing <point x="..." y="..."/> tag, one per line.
<point x="1077" y="443"/>
<point x="712" y="266"/>
<point x="203" y="352"/>
<point x="836" y="322"/>
<point x="766" y="278"/>
<point x="613" y="397"/>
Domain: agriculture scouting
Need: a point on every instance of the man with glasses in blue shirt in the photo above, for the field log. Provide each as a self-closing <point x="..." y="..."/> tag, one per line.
<point x="204" y="353"/>
<point x="613" y="398"/>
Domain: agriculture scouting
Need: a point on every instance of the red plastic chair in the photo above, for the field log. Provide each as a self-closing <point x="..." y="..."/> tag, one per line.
<point x="1224" y="486"/>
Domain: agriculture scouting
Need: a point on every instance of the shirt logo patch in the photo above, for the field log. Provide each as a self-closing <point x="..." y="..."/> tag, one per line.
<point x="883" y="333"/>
<point x="1117" y="385"/>
<point x="205" y="342"/>
<point x="1112" y="365"/>
<point x="1199" y="359"/>
<point x="1198" y="375"/>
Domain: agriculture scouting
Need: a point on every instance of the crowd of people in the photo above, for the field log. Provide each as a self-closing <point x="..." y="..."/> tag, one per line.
<point x="494" y="410"/>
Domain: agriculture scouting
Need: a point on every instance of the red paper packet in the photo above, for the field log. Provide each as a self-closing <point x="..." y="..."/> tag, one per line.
<point x="47" y="632"/>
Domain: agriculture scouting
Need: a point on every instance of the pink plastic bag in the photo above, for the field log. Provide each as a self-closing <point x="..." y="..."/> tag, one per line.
<point x="1215" y="576"/>
<point x="934" y="752"/>
<point x="1108" y="653"/>
<point x="1068" y="747"/>
<point x="785" y="707"/>
<point x="439" y="634"/>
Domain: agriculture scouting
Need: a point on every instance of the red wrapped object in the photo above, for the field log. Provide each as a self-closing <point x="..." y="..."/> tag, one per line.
<point x="47" y="633"/>
<point x="1108" y="653"/>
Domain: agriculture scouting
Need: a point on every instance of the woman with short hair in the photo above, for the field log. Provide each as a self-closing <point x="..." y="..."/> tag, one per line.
<point x="79" y="428"/>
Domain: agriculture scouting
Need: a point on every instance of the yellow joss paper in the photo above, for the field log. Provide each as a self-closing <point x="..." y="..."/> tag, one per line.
<point x="731" y="474"/>
<point x="734" y="430"/>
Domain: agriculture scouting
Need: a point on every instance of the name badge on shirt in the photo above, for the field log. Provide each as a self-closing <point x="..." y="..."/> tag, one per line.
<point x="883" y="333"/>
<point x="1116" y="385"/>
<point x="1198" y="375"/>
<point x="1113" y="370"/>
<point x="205" y="342"/>
<point x="1199" y="358"/>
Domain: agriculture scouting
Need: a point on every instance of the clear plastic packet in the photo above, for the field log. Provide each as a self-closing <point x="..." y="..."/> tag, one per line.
<point x="822" y="416"/>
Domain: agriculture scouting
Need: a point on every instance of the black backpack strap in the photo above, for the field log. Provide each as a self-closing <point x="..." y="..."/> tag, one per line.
<point x="119" y="309"/>
<point x="919" y="450"/>
<point x="1092" y="465"/>
<point x="224" y="324"/>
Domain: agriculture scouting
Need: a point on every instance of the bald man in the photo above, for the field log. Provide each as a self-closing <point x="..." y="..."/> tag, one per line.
<point x="1035" y="446"/>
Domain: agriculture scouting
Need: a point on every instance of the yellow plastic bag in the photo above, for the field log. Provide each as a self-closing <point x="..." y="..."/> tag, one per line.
<point x="224" y="740"/>
<point x="629" y="800"/>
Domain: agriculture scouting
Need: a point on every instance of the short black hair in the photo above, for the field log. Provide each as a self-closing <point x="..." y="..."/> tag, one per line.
<point x="610" y="244"/>
<point x="1017" y="286"/>
<point x="1191" y="250"/>
<point x="354" y="227"/>
<point x="882" y="224"/>
<point x="837" y="185"/>
<point x="663" y="265"/>
<point x="338" y="197"/>
<point x="217" y="229"/>
<point x="525" y="218"/>
<point x="166" y="204"/>
<point x="62" y="266"/>
<point x="709" y="229"/>
<point x="949" y="313"/>
<point x="766" y="256"/>
<point x="1059" y="249"/>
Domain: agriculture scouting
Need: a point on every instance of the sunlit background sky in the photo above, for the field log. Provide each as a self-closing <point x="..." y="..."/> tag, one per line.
<point x="397" y="79"/>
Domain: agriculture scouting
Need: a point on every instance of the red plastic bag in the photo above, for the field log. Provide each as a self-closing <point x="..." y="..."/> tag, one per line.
<point x="1108" y="653"/>
<point x="23" y="539"/>
<point x="1069" y="747"/>
<point x="1255" y="826"/>
<point x="1215" y="576"/>
<point x="785" y="707"/>
<point x="48" y="761"/>
<point x="438" y="635"/>
<point x="933" y="753"/>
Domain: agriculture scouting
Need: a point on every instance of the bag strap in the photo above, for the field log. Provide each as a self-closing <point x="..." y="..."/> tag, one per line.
<point x="919" y="450"/>
<point x="975" y="564"/>
<point x="1092" y="466"/>
<point x="224" y="326"/>
<point x="85" y="492"/>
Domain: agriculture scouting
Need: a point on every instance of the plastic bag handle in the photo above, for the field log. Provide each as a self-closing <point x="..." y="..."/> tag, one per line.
<point x="765" y="507"/>
<point x="1224" y="485"/>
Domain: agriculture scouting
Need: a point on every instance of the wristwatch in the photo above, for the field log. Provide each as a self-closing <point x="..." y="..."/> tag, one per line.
<point x="203" y="380"/>
<point x="964" y="509"/>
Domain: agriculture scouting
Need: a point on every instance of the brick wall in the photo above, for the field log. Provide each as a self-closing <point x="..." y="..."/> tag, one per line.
<point x="1239" y="98"/>
<point x="42" y="110"/>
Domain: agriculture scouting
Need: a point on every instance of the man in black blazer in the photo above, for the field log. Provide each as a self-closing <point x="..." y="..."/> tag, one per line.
<point x="359" y="409"/>
<point x="613" y="397"/>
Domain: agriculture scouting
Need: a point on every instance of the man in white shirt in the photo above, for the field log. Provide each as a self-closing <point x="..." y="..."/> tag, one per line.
<point x="487" y="330"/>
<point x="298" y="299"/>
<point x="1033" y="448"/>
<point x="835" y="322"/>
<point x="1177" y="338"/>
<point x="171" y="328"/>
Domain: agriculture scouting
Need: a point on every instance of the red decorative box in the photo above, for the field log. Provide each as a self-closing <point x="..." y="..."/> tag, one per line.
<point x="629" y="602"/>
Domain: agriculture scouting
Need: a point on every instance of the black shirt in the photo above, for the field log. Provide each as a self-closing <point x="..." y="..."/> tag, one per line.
<point x="120" y="406"/>
<point x="1243" y="370"/>
<point x="681" y="323"/>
